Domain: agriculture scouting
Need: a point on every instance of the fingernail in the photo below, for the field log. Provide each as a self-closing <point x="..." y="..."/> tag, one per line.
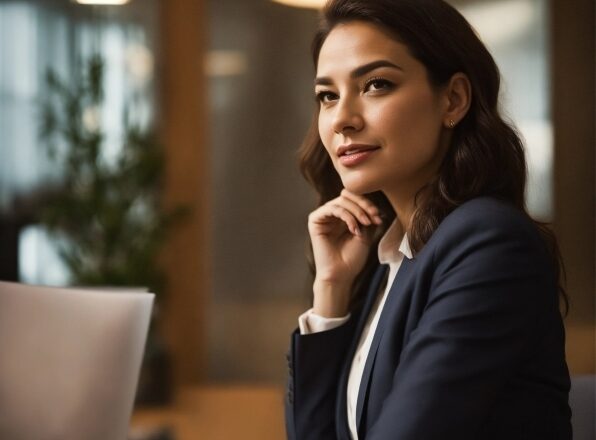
<point x="357" y="231"/>
<point x="378" y="220"/>
<point x="364" y="219"/>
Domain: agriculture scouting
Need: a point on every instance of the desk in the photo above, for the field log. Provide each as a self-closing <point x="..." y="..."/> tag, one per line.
<point x="220" y="413"/>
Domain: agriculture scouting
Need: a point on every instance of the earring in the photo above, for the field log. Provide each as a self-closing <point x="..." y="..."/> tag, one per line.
<point x="451" y="123"/>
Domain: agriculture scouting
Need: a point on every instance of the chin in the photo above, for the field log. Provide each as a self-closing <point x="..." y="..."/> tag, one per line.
<point x="358" y="185"/>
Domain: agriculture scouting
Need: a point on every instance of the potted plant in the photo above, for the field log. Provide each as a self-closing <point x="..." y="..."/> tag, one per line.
<point x="106" y="209"/>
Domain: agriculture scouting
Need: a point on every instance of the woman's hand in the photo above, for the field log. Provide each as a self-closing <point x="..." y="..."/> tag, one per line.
<point x="341" y="232"/>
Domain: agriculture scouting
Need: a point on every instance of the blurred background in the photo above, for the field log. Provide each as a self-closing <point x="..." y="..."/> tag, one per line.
<point x="153" y="143"/>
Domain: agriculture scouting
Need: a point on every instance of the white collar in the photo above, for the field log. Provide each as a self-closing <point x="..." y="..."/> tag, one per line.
<point x="389" y="251"/>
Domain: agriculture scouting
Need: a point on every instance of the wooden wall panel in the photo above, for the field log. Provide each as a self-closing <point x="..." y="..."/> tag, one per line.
<point x="573" y="51"/>
<point x="183" y="119"/>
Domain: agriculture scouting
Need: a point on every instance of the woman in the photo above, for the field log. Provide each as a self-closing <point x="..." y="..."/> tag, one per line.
<point x="447" y="327"/>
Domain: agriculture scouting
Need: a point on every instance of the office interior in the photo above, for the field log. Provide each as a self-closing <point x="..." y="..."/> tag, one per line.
<point x="224" y="87"/>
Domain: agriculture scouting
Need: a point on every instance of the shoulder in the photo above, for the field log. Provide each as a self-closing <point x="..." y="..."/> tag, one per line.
<point x="486" y="224"/>
<point x="485" y="212"/>
<point x="489" y="246"/>
<point x="486" y="215"/>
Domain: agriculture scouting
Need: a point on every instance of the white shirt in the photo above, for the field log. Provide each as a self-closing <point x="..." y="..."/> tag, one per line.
<point x="389" y="253"/>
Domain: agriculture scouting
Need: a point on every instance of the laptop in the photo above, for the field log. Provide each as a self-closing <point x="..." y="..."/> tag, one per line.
<point x="69" y="361"/>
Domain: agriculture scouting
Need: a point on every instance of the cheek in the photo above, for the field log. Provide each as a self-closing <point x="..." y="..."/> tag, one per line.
<point x="324" y="132"/>
<point x="413" y="122"/>
<point x="323" y="129"/>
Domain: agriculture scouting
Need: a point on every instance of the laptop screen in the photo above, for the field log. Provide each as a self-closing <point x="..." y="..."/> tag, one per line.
<point x="69" y="361"/>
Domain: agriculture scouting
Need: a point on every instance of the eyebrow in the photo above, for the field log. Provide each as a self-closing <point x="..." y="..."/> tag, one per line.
<point x="359" y="71"/>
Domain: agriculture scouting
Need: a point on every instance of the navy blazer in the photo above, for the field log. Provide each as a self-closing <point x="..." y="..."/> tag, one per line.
<point x="470" y="343"/>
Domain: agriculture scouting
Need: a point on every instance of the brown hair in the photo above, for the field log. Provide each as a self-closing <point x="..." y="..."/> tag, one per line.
<point x="486" y="155"/>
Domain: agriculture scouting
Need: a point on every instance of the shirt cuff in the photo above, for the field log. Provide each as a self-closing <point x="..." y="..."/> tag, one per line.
<point x="309" y="322"/>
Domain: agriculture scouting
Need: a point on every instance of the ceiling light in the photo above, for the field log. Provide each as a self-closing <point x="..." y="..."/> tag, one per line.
<point x="312" y="4"/>
<point x="102" y="2"/>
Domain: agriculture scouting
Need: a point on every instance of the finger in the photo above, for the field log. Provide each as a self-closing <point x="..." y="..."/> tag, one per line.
<point x="335" y="211"/>
<point x="365" y="204"/>
<point x="348" y="218"/>
<point x="356" y="210"/>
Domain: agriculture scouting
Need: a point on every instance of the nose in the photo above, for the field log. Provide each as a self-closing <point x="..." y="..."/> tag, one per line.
<point x="347" y="117"/>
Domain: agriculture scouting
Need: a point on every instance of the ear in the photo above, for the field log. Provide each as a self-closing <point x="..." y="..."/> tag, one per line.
<point x="458" y="97"/>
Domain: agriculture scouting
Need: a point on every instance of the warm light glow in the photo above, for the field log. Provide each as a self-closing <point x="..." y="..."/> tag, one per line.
<point x="499" y="22"/>
<point x="139" y="63"/>
<point x="313" y="4"/>
<point x="219" y="63"/>
<point x="102" y="2"/>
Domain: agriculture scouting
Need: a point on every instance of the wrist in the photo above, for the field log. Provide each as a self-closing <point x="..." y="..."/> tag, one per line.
<point x="331" y="300"/>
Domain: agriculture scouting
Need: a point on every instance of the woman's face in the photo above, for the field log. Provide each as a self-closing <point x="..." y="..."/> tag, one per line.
<point x="380" y="120"/>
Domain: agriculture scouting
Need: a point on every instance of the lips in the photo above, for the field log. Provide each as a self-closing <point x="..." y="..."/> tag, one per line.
<point x="355" y="154"/>
<point x="348" y="150"/>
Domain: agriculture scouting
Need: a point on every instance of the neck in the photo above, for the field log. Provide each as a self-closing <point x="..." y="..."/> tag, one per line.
<point x="401" y="196"/>
<point x="404" y="208"/>
<point x="402" y="202"/>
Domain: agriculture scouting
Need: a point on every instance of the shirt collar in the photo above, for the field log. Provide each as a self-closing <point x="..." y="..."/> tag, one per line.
<point x="394" y="244"/>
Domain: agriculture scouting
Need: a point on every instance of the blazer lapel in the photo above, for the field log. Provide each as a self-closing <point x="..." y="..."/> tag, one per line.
<point x="342" y="427"/>
<point x="394" y="297"/>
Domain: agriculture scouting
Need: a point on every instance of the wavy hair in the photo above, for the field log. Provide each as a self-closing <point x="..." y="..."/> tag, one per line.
<point x="486" y="155"/>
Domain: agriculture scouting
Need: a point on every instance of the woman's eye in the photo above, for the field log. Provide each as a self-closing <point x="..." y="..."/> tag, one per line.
<point x="325" y="96"/>
<point x="378" y="84"/>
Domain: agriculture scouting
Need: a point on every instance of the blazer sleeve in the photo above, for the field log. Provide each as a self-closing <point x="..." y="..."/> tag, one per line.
<point x="491" y="286"/>
<point x="315" y="361"/>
